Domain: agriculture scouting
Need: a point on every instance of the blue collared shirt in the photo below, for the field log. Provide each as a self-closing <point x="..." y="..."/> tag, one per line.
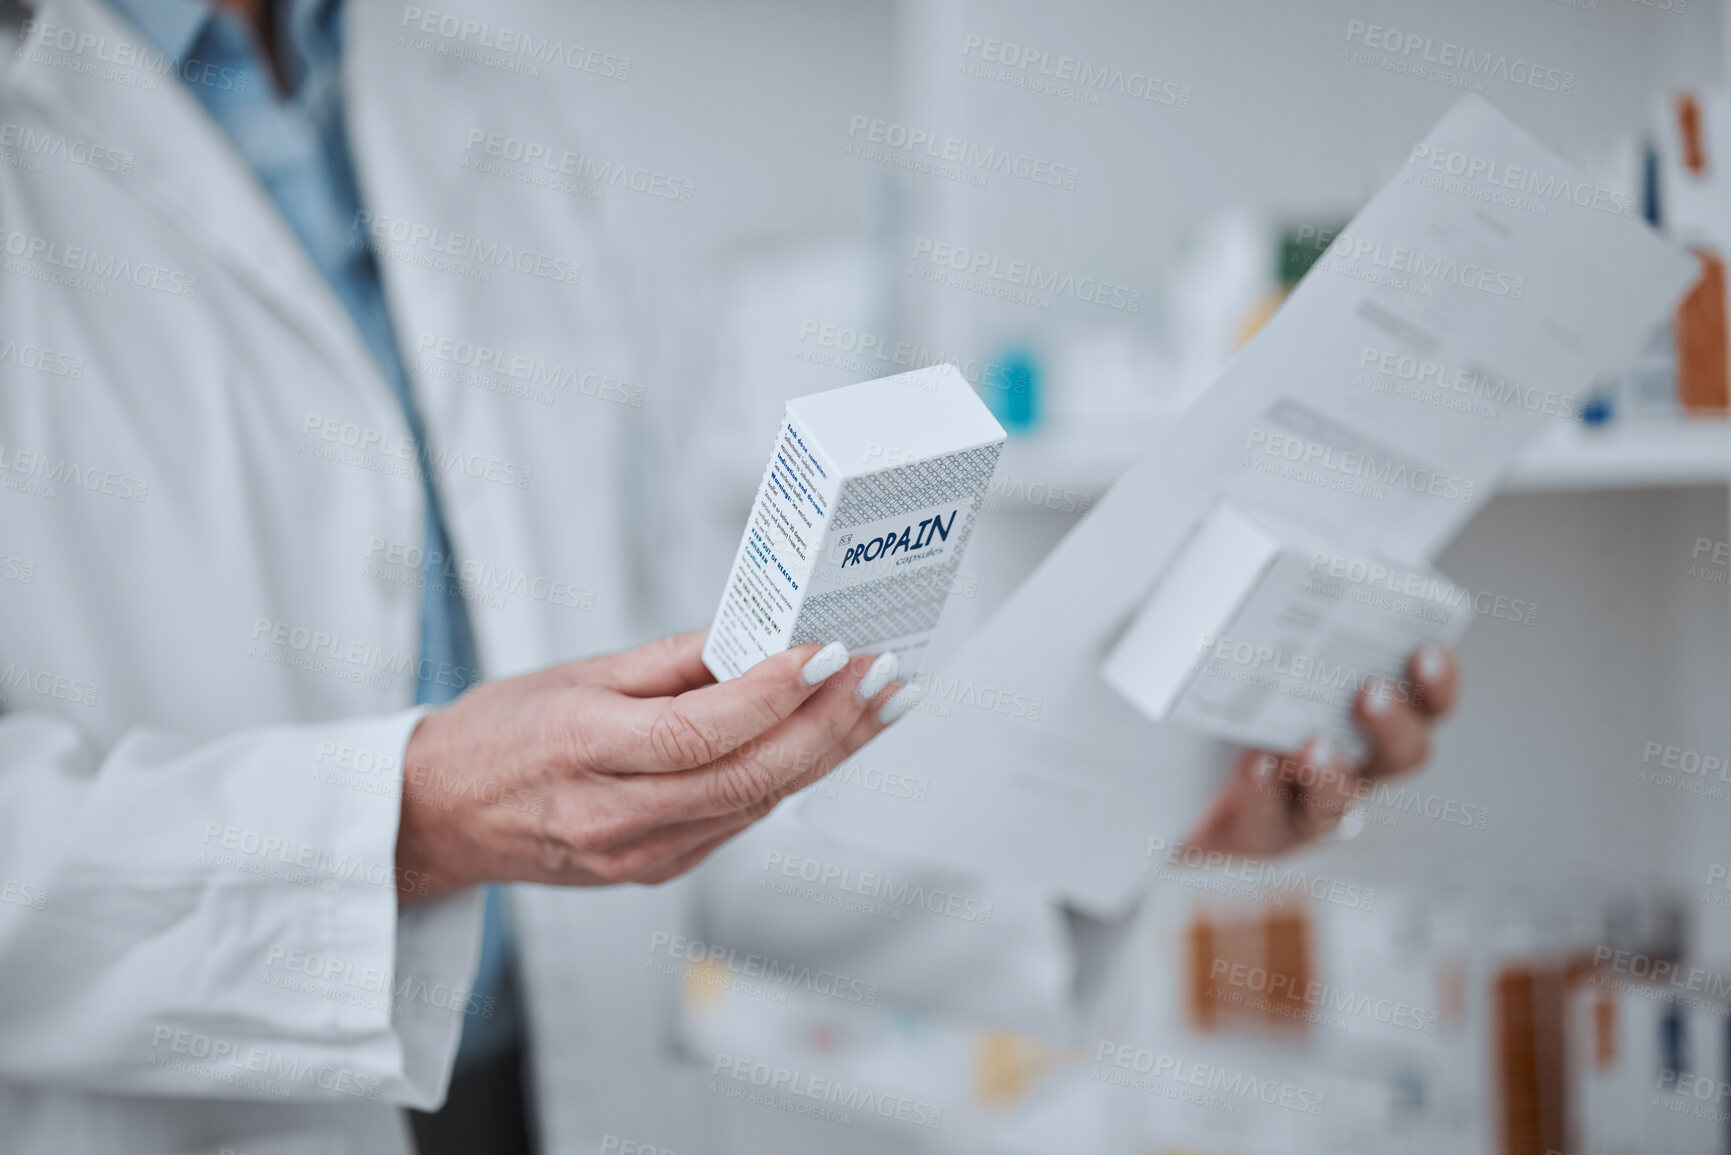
<point x="298" y="146"/>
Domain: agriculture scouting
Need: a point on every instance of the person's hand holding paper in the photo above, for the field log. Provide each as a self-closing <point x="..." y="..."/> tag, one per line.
<point x="1363" y="426"/>
<point x="1273" y="802"/>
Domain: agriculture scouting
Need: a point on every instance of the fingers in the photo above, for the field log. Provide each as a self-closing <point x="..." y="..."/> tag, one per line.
<point x="1399" y="732"/>
<point x="700" y="726"/>
<point x="662" y="668"/>
<point x="1274" y="802"/>
<point x="760" y="773"/>
<point x="1325" y="783"/>
<point x="802" y="749"/>
<point x="1244" y="811"/>
<point x="653" y="824"/>
<point x="1436" y="676"/>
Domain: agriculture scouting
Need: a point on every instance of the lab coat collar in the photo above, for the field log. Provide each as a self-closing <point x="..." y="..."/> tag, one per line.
<point x="188" y="173"/>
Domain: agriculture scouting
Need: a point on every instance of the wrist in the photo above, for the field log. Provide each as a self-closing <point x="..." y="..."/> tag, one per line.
<point x="422" y="872"/>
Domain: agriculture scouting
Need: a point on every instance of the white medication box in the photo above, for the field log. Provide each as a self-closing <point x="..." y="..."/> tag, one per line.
<point x="1262" y="632"/>
<point x="861" y="519"/>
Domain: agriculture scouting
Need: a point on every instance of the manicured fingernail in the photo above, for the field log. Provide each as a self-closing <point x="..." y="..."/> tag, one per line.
<point x="881" y="674"/>
<point x="1430" y="661"/>
<point x="1380" y="702"/>
<point x="906" y="699"/>
<point x="1322" y="752"/>
<point x="1351" y="825"/>
<point x="823" y="663"/>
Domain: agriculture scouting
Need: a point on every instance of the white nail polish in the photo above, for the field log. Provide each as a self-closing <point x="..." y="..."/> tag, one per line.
<point x="1351" y="825"/>
<point x="881" y="674"/>
<point x="824" y="663"/>
<point x="1323" y="753"/>
<point x="1379" y="702"/>
<point x="906" y="699"/>
<point x="1430" y="661"/>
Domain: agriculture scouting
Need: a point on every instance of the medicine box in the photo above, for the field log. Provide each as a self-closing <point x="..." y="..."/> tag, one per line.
<point x="1263" y="629"/>
<point x="861" y="520"/>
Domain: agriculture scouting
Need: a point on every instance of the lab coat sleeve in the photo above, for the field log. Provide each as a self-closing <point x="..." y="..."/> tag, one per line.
<point x="221" y="919"/>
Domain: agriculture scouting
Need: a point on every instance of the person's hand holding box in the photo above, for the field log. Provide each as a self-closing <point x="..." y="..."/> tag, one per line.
<point x="1274" y="802"/>
<point x="630" y="767"/>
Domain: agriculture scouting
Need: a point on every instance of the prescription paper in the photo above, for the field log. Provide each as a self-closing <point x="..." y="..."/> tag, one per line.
<point x="1463" y="311"/>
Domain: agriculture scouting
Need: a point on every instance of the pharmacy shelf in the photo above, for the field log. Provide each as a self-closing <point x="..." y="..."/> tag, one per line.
<point x="1087" y="459"/>
<point x="1635" y="454"/>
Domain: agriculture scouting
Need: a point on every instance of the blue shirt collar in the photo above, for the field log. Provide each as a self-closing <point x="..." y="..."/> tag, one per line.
<point x="175" y="27"/>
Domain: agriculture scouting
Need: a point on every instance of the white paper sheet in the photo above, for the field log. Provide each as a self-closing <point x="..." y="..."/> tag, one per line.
<point x="1486" y="257"/>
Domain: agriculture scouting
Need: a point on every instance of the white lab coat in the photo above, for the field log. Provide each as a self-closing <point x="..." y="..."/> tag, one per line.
<point x="209" y="615"/>
<point x="208" y="605"/>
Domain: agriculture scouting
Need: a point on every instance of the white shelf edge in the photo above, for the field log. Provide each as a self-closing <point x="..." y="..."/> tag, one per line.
<point x="1634" y="455"/>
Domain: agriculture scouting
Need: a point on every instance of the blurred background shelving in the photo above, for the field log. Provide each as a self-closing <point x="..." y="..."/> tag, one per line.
<point x="1088" y="457"/>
